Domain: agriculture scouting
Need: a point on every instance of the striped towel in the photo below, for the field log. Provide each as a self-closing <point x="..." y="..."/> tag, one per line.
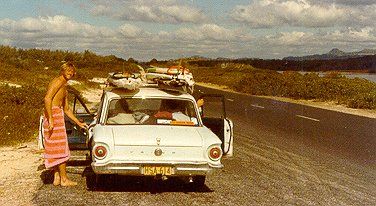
<point x="55" y="141"/>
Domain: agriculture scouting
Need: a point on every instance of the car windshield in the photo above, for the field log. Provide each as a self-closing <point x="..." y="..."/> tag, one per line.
<point x="127" y="111"/>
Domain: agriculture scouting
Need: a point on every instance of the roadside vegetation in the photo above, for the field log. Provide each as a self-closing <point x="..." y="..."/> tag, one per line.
<point x="33" y="69"/>
<point x="354" y="93"/>
<point x="19" y="112"/>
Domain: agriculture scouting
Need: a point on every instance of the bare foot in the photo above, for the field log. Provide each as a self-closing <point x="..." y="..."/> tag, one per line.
<point x="67" y="183"/>
<point x="56" y="178"/>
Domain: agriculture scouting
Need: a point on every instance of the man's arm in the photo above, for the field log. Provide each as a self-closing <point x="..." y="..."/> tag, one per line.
<point x="200" y="102"/>
<point x="70" y="114"/>
<point x="53" y="88"/>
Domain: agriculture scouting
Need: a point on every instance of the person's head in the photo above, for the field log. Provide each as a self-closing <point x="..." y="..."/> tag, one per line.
<point x="124" y="105"/>
<point x="171" y="105"/>
<point x="68" y="70"/>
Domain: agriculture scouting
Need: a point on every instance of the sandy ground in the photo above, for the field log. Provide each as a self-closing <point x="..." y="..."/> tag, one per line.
<point x="93" y="96"/>
<point x="20" y="166"/>
<point x="19" y="175"/>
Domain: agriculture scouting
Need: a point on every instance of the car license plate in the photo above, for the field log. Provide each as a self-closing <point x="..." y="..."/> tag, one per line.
<point x="157" y="170"/>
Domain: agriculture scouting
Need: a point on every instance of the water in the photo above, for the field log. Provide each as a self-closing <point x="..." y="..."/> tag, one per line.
<point x="370" y="77"/>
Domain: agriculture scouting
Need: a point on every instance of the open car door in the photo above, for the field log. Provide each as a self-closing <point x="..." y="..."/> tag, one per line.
<point x="213" y="115"/>
<point x="78" y="138"/>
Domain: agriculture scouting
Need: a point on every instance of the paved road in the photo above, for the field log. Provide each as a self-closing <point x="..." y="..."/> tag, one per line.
<point x="343" y="135"/>
<point x="285" y="154"/>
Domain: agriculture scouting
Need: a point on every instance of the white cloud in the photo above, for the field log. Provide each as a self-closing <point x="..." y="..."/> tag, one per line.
<point x="57" y="32"/>
<point x="101" y="10"/>
<point x="61" y="32"/>
<point x="177" y="13"/>
<point x="302" y="13"/>
<point x="289" y="38"/>
<point x="211" y="32"/>
<point x="298" y="43"/>
<point x="346" y="2"/>
<point x="189" y="34"/>
<point x="212" y="40"/>
<point x="307" y="39"/>
<point x="55" y="26"/>
<point x="149" y="11"/>
<point x="131" y="31"/>
<point x="366" y="35"/>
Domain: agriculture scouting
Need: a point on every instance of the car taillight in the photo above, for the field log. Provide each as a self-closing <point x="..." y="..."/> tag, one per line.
<point x="100" y="152"/>
<point x="215" y="153"/>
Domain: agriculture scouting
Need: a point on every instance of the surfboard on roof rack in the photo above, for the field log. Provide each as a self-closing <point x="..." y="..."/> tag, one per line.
<point x="172" y="78"/>
<point x="175" y="78"/>
<point x="126" y="81"/>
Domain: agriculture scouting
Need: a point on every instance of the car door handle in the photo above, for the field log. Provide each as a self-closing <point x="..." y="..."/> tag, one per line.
<point x="83" y="130"/>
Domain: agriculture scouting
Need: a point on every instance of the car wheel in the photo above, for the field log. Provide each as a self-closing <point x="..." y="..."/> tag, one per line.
<point x="100" y="181"/>
<point x="199" y="181"/>
<point x="91" y="182"/>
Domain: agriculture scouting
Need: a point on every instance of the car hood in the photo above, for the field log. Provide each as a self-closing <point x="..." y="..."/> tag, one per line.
<point x="143" y="135"/>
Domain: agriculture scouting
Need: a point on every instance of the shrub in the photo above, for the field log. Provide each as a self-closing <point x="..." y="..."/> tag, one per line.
<point x="21" y="108"/>
<point x="363" y="101"/>
<point x="333" y="86"/>
<point x="34" y="69"/>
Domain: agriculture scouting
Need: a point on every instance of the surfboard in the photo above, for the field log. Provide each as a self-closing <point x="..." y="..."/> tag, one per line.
<point x="126" y="81"/>
<point x="175" y="78"/>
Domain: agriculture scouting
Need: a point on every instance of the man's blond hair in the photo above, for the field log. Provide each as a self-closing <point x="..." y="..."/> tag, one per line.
<point x="66" y="66"/>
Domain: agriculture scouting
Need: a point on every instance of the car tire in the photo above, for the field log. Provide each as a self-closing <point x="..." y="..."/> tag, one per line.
<point x="100" y="181"/>
<point x="91" y="182"/>
<point x="199" y="181"/>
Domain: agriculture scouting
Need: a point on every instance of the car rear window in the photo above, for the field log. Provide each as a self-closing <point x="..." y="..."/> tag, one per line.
<point x="177" y="112"/>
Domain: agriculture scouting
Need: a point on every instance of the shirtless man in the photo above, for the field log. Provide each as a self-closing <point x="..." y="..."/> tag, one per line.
<point x="56" y="143"/>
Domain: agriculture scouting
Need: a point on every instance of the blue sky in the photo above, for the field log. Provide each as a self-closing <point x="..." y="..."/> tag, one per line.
<point x="164" y="29"/>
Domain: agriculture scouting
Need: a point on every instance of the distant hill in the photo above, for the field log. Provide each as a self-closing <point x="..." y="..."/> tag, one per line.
<point x="334" y="54"/>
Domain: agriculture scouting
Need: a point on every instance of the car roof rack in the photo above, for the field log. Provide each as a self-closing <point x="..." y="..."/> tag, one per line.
<point x="175" y="79"/>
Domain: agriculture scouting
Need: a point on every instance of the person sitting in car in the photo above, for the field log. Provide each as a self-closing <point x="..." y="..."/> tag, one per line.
<point x="173" y="110"/>
<point x="120" y="113"/>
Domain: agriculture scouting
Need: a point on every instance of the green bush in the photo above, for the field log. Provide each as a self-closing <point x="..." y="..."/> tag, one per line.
<point x="333" y="86"/>
<point x="19" y="113"/>
<point x="33" y="69"/>
<point x="363" y="101"/>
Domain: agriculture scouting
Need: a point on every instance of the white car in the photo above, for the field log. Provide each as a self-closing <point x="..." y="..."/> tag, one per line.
<point x="153" y="132"/>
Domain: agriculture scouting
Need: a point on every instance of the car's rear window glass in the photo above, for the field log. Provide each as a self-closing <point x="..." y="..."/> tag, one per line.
<point x="175" y="112"/>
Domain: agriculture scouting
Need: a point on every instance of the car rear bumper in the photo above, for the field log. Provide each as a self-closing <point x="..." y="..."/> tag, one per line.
<point x="181" y="169"/>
